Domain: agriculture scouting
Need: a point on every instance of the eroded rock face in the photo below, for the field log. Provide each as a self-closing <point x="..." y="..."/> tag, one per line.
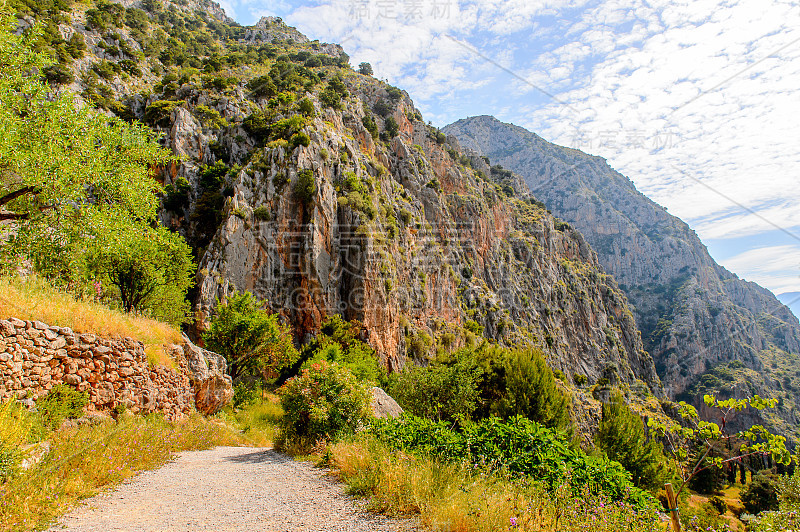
<point x="213" y="388"/>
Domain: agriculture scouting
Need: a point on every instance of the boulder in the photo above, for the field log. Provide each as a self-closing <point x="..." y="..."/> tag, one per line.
<point x="383" y="405"/>
<point x="213" y="388"/>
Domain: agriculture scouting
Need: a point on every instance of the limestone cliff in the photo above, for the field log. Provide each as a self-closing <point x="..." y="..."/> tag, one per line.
<point x="323" y="191"/>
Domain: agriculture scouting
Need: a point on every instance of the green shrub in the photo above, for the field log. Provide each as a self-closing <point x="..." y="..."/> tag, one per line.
<point x="58" y="74"/>
<point x="370" y="125"/>
<point x="622" y="437"/>
<point x="339" y="341"/>
<point x="365" y="69"/>
<point x="176" y="195"/>
<point x="254" y="343"/>
<point x="324" y="402"/>
<point x="299" y="139"/>
<point x="158" y="113"/>
<point x="306" y="107"/>
<point x="211" y="117"/>
<point x="306" y="186"/>
<point x="760" y="495"/>
<point x="527" y="387"/>
<point x="262" y="213"/>
<point x="515" y="446"/>
<point x="441" y="391"/>
<point x="60" y="403"/>
<point x="392" y="127"/>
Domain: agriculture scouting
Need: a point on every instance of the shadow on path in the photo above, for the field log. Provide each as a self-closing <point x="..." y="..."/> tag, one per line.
<point x="260" y="457"/>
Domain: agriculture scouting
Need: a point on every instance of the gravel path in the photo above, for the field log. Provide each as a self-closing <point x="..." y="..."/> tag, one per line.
<point x="228" y="489"/>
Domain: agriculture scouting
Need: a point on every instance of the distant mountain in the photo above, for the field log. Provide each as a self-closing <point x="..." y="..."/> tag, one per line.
<point x="791" y="300"/>
<point x="705" y="327"/>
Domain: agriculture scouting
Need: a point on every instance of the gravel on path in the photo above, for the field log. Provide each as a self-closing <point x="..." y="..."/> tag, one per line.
<point x="229" y="489"/>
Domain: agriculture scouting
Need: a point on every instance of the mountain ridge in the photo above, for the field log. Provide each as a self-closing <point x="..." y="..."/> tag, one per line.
<point x="694" y="314"/>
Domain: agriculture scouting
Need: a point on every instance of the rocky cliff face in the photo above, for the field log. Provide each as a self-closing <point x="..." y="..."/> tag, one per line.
<point x="694" y="314"/>
<point x="323" y="191"/>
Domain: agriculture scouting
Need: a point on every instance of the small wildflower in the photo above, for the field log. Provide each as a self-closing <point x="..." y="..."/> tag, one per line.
<point x="513" y="522"/>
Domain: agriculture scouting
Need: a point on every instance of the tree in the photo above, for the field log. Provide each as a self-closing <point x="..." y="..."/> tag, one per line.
<point x="365" y="69"/>
<point x="531" y="390"/>
<point x="254" y="343"/>
<point x="698" y="445"/>
<point x="760" y="495"/>
<point x="151" y="269"/>
<point x="622" y="437"/>
<point x="67" y="173"/>
<point x="445" y="390"/>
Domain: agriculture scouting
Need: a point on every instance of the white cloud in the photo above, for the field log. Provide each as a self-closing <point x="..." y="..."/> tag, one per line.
<point x="775" y="267"/>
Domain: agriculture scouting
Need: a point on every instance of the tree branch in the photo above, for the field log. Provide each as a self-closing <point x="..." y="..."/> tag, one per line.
<point x="6" y="215"/>
<point x="11" y="196"/>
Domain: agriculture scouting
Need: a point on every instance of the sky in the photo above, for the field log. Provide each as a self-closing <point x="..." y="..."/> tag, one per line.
<point x="696" y="101"/>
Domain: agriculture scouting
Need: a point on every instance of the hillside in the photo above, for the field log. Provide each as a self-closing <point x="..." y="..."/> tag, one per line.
<point x="705" y="328"/>
<point x="323" y="191"/>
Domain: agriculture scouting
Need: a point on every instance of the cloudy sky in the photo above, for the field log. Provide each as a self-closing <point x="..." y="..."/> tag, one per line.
<point x="697" y="101"/>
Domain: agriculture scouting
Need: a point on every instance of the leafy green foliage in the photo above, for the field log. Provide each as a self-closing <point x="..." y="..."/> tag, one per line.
<point x="78" y="184"/>
<point x="61" y="402"/>
<point x="515" y="446"/>
<point x="392" y="127"/>
<point x="365" y="69"/>
<point x="254" y="343"/>
<point x="444" y="390"/>
<point x="370" y="125"/>
<point x="519" y="382"/>
<point x="151" y="269"/>
<point x="760" y="495"/>
<point x="158" y="113"/>
<point x="325" y="402"/>
<point x="306" y="186"/>
<point x="341" y="342"/>
<point x="334" y="93"/>
<point x="698" y="445"/>
<point x="622" y="437"/>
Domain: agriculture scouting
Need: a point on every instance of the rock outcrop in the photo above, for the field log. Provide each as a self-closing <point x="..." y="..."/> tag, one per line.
<point x="383" y="405"/>
<point x="213" y="388"/>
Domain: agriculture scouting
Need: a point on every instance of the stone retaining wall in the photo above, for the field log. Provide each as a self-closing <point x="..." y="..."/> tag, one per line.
<point x="34" y="357"/>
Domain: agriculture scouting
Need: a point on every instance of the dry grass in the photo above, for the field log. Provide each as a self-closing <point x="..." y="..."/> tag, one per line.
<point x="460" y="499"/>
<point x="34" y="299"/>
<point x="258" y="422"/>
<point x="84" y="460"/>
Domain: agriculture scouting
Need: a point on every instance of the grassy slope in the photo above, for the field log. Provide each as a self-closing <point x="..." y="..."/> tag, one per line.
<point x="34" y="299"/>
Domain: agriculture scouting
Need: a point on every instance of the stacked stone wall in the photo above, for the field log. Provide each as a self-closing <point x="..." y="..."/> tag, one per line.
<point x="35" y="357"/>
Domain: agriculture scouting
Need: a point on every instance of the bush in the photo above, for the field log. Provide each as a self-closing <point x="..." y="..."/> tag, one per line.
<point x="441" y="391"/>
<point x="392" y="127"/>
<point x="299" y="139"/>
<point x="158" y="113"/>
<point x="365" y="69"/>
<point x="527" y="387"/>
<point x="339" y="341"/>
<point x="325" y="402"/>
<point x="306" y="186"/>
<point x="370" y="125"/>
<point x="516" y="446"/>
<point x="262" y="213"/>
<point x="58" y="74"/>
<point x="622" y="437"/>
<point x="254" y="343"/>
<point x="760" y="495"/>
<point x="306" y="107"/>
<point x="60" y="403"/>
